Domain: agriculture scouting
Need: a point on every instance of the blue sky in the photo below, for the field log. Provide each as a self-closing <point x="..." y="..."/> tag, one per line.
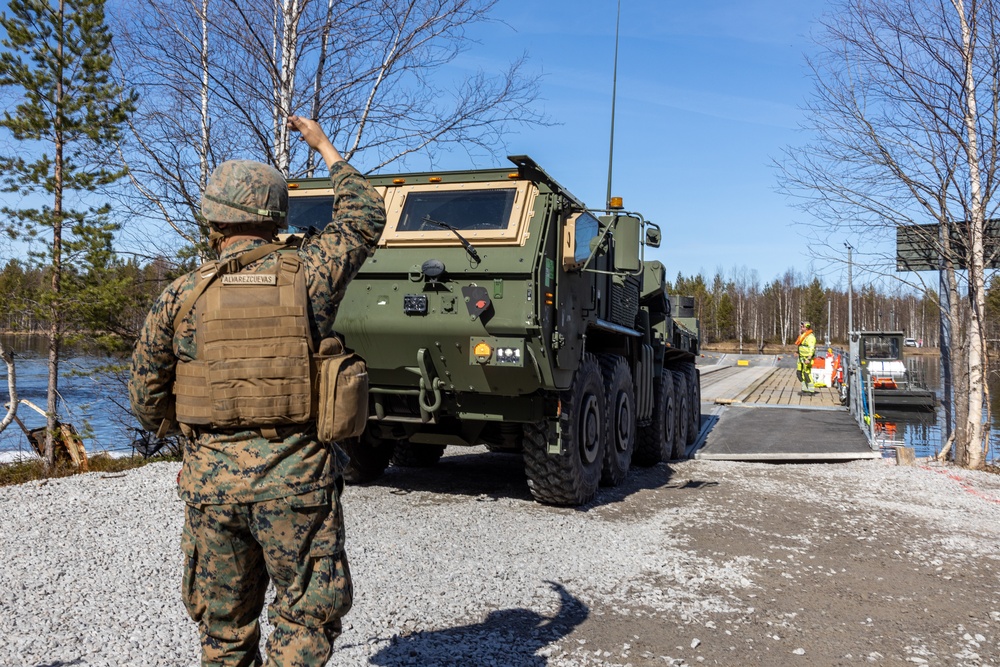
<point x="708" y="95"/>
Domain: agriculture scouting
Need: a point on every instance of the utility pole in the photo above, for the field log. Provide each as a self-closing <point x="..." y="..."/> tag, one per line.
<point x="850" y="291"/>
<point x="944" y="294"/>
<point x="829" y="322"/>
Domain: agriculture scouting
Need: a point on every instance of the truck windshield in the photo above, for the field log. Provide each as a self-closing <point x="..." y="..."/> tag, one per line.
<point x="306" y="212"/>
<point x="463" y="210"/>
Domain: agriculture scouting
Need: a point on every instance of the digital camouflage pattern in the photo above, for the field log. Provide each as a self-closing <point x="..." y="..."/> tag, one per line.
<point x="260" y="509"/>
<point x="244" y="191"/>
<point x="225" y="580"/>
<point x="240" y="466"/>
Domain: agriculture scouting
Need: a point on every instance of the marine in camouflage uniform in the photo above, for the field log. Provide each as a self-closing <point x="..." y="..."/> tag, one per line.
<point x="265" y="504"/>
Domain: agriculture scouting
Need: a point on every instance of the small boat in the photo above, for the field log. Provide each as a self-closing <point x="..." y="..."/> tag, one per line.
<point x="879" y="356"/>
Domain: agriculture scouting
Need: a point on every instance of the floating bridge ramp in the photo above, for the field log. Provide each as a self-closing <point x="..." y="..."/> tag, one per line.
<point x="753" y="410"/>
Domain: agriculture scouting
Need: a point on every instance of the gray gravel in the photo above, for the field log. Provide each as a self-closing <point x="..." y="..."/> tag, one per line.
<point x="452" y="566"/>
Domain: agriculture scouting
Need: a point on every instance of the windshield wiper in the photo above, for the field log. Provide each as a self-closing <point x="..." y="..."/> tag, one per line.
<point x="468" y="246"/>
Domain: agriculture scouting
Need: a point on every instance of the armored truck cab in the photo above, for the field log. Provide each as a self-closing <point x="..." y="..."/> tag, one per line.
<point x="499" y="310"/>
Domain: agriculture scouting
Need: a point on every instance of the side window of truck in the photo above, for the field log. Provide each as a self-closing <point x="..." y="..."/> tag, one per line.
<point x="579" y="233"/>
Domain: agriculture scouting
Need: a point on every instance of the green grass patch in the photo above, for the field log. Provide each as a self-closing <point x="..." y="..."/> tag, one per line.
<point x="30" y="471"/>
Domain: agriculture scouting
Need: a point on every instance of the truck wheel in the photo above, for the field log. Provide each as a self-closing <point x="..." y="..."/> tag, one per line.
<point x="369" y="458"/>
<point x="694" y="390"/>
<point x="571" y="477"/>
<point x="683" y="415"/>
<point x="655" y="442"/>
<point x="411" y="455"/>
<point x="620" y="410"/>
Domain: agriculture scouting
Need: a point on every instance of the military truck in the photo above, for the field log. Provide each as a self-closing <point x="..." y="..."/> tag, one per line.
<point x="499" y="310"/>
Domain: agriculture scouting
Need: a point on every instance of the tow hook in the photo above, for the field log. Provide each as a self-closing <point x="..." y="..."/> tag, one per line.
<point x="428" y="384"/>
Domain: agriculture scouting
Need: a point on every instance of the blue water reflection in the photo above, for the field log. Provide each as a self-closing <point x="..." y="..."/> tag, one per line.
<point x="924" y="430"/>
<point x="95" y="403"/>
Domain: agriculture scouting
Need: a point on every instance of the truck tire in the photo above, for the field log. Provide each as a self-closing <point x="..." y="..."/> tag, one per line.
<point x="369" y="458"/>
<point x="655" y="442"/>
<point x="694" y="390"/>
<point x="410" y="455"/>
<point x="621" y="418"/>
<point x="683" y="416"/>
<point x="571" y="477"/>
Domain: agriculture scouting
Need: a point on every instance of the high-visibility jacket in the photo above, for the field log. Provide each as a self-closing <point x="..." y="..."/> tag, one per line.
<point x="806" y="343"/>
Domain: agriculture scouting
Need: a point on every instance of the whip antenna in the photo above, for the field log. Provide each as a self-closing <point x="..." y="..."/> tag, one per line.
<point x="614" y="95"/>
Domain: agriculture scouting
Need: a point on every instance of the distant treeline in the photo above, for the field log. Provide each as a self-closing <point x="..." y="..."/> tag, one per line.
<point x="102" y="306"/>
<point x="739" y="308"/>
<point x="108" y="306"/>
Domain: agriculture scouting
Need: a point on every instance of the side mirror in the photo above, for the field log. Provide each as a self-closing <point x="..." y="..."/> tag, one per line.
<point x="653" y="235"/>
<point x="627" y="246"/>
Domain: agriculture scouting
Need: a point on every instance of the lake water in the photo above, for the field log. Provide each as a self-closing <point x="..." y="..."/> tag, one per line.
<point x="96" y="404"/>
<point x="924" y="430"/>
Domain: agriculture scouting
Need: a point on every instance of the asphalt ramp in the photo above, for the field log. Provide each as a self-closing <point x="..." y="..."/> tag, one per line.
<point x="766" y="433"/>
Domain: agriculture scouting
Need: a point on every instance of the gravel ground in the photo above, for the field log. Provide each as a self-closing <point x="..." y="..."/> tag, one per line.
<point x="684" y="564"/>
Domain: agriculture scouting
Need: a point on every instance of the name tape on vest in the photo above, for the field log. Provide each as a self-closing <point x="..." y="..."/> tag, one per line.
<point x="250" y="279"/>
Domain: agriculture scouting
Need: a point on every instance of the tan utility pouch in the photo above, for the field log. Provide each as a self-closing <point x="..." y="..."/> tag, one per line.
<point x="343" y="392"/>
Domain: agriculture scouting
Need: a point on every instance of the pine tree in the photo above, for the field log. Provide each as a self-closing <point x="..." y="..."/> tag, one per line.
<point x="814" y="306"/>
<point x="57" y="58"/>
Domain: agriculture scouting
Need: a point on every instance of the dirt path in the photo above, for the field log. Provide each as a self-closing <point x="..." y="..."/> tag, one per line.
<point x="844" y="566"/>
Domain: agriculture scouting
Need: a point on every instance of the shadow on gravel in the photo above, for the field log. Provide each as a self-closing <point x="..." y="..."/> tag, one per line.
<point x="477" y="473"/>
<point x="506" y="638"/>
<point x="492" y="476"/>
<point x="61" y="663"/>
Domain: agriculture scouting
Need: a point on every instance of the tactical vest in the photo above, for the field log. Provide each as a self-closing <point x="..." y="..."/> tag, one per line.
<point x="253" y="365"/>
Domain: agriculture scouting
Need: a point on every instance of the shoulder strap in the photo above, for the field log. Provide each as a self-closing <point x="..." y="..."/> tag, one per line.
<point x="232" y="266"/>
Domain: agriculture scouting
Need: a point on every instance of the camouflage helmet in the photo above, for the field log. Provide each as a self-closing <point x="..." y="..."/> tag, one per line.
<point x="245" y="192"/>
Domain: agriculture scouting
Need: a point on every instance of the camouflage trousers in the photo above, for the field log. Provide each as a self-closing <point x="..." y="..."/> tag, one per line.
<point x="231" y="551"/>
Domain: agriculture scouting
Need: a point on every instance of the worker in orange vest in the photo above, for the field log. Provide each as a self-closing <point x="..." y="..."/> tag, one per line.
<point x="806" y="344"/>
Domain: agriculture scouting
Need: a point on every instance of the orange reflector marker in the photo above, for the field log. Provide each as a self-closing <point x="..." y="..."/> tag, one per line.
<point x="513" y="174"/>
<point x="398" y="181"/>
<point x="434" y="179"/>
<point x="292" y="186"/>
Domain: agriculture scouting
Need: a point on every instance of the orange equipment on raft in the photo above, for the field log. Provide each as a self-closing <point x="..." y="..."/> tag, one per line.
<point x="838" y="369"/>
<point x="883" y="383"/>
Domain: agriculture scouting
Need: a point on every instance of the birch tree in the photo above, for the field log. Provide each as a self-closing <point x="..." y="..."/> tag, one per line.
<point x="57" y="60"/>
<point x="12" y="400"/>
<point x="786" y="313"/>
<point x="907" y="132"/>
<point x="219" y="77"/>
